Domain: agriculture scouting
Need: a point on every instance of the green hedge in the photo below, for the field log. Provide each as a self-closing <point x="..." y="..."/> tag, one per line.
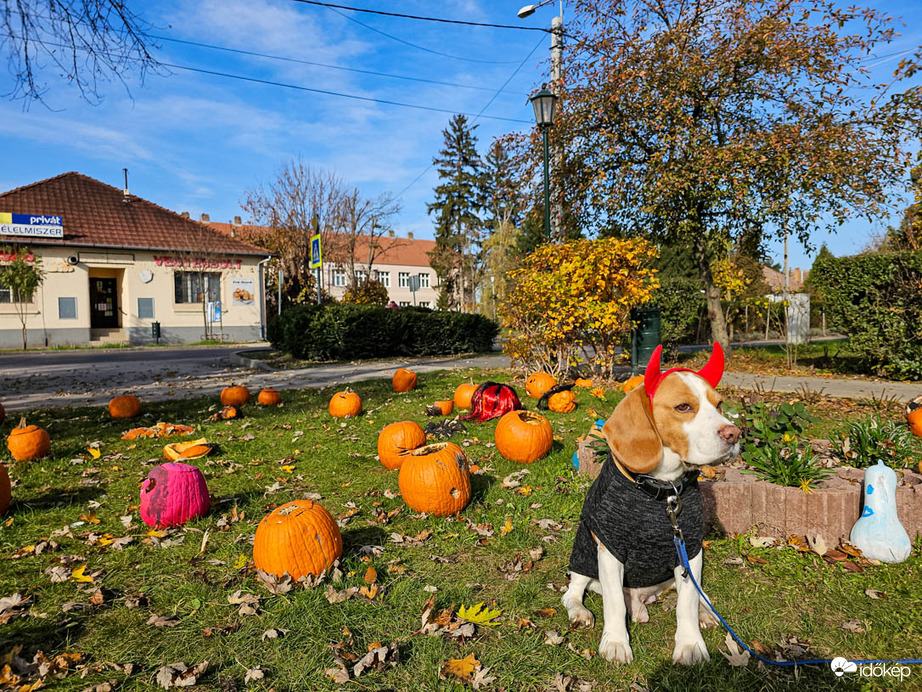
<point x="876" y="300"/>
<point x="345" y="332"/>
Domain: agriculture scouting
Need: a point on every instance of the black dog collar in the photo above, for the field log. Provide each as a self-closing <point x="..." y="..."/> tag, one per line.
<point x="660" y="490"/>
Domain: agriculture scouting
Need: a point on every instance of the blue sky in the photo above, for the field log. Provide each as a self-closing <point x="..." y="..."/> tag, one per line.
<point x="195" y="142"/>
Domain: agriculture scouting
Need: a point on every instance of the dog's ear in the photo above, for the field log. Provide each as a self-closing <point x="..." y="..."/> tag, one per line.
<point x="631" y="435"/>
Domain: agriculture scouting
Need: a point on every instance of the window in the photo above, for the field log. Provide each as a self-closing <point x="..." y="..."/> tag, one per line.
<point x="339" y="277"/>
<point x="146" y="308"/>
<point x="67" y="308"/>
<point x="403" y="279"/>
<point x="360" y="276"/>
<point x="384" y="278"/>
<point x="424" y="303"/>
<point x="7" y="296"/>
<point x="404" y="303"/>
<point x="196" y="287"/>
<point x="424" y="281"/>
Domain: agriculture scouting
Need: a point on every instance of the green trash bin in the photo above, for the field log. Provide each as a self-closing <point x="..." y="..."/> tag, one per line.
<point x="155" y="331"/>
<point x="646" y="335"/>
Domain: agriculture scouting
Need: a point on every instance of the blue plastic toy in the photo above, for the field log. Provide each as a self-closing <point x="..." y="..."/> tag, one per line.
<point x="878" y="532"/>
<point x="595" y="428"/>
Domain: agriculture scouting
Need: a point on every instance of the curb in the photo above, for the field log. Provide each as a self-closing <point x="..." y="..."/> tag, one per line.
<point x="240" y="358"/>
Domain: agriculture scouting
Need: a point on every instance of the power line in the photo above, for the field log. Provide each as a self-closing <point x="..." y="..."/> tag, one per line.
<point x="425" y="19"/>
<point x="319" y="64"/>
<point x="417" y="46"/>
<point x="354" y="97"/>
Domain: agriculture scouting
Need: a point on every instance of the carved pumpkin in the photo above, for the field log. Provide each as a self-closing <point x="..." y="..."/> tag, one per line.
<point x="227" y="413"/>
<point x="436" y="479"/>
<point x="193" y="449"/>
<point x="538" y="383"/>
<point x="28" y="442"/>
<point x="492" y="400"/>
<point x="344" y="404"/>
<point x="299" y="538"/>
<point x="127" y="406"/>
<point x="914" y="418"/>
<point x="404" y="380"/>
<point x="172" y="494"/>
<point x="269" y="397"/>
<point x="562" y="402"/>
<point x="396" y="439"/>
<point x="523" y="436"/>
<point x="235" y="395"/>
<point x="631" y="382"/>
<point x="583" y="382"/>
<point x="2" y="413"/>
<point x="463" y="394"/>
<point x="6" y="489"/>
<point x="441" y="408"/>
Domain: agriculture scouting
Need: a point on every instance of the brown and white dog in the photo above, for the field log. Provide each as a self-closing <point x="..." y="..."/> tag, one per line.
<point x="624" y="546"/>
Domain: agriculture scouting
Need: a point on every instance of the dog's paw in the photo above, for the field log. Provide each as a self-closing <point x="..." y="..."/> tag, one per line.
<point x="615" y="650"/>
<point x="690" y="652"/>
<point x="706" y="618"/>
<point x="639" y="612"/>
<point x="581" y="617"/>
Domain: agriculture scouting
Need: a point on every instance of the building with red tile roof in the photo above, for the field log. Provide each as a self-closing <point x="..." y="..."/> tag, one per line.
<point x="115" y="265"/>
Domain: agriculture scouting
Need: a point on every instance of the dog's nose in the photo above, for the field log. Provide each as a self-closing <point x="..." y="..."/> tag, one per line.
<point x="729" y="434"/>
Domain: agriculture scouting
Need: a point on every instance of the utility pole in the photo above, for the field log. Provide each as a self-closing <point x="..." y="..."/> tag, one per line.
<point x="557" y="168"/>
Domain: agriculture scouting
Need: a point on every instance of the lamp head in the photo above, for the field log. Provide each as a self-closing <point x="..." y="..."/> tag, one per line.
<point x="526" y="11"/>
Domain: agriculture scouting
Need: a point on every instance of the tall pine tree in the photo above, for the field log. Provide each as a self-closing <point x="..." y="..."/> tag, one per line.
<point x="459" y="199"/>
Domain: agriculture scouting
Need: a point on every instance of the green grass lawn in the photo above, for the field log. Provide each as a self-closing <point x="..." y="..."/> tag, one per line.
<point x="775" y="596"/>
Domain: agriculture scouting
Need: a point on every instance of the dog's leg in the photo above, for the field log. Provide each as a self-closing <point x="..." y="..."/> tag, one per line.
<point x="615" y="645"/>
<point x="706" y="617"/>
<point x="573" y="601"/>
<point x="689" y="645"/>
<point x="638" y="598"/>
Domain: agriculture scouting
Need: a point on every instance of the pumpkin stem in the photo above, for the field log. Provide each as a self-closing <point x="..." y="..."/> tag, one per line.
<point x="22" y="422"/>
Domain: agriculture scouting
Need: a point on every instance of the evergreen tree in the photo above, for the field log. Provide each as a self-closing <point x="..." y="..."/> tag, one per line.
<point x="457" y="206"/>
<point x="503" y="195"/>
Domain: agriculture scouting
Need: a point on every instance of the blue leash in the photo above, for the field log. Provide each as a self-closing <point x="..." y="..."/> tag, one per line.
<point x="674" y="506"/>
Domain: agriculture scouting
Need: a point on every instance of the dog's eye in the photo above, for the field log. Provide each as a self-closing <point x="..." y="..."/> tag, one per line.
<point x="684" y="408"/>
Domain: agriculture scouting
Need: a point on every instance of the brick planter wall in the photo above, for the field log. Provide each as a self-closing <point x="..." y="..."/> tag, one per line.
<point x="739" y="502"/>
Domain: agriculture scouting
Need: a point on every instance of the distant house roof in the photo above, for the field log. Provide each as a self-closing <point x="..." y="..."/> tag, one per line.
<point x="97" y="215"/>
<point x="775" y="279"/>
<point x="408" y="251"/>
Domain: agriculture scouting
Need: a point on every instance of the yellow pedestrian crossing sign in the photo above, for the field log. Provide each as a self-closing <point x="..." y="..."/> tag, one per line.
<point x="316" y="260"/>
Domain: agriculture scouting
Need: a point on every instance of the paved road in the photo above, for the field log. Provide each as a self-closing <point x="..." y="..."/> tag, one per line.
<point x="69" y="378"/>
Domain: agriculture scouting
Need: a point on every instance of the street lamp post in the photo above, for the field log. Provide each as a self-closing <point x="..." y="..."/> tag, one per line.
<point x="543" y="102"/>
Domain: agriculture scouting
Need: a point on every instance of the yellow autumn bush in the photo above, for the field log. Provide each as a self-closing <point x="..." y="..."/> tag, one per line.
<point x="570" y="303"/>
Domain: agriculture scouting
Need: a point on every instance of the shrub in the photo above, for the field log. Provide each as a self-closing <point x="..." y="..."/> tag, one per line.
<point x="681" y="301"/>
<point x="342" y="332"/>
<point x="862" y="443"/>
<point x="367" y="292"/>
<point x="787" y="464"/>
<point x="876" y="300"/>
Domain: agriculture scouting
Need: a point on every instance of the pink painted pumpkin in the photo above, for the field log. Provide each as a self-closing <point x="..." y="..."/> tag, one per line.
<point x="172" y="494"/>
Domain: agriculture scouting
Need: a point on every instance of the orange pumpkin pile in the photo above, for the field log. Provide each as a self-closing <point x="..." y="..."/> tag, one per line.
<point x="27" y="442"/>
<point x="404" y="380"/>
<point x="436" y="479"/>
<point x="127" y="406"/>
<point x="538" y="383"/>
<point x="345" y="404"/>
<point x="298" y="538"/>
<point x="396" y="439"/>
<point x="235" y="395"/>
<point x="523" y="436"/>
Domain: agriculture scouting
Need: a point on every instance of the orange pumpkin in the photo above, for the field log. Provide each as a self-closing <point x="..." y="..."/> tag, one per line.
<point x="583" y="382"/>
<point x="538" y="383"/>
<point x="562" y="402"/>
<point x="193" y="449"/>
<point x="914" y="418"/>
<point x="227" y="413"/>
<point x="299" y="538"/>
<point x="6" y="489"/>
<point x="127" y="406"/>
<point x="441" y="408"/>
<point x="344" y="404"/>
<point x="436" y="479"/>
<point x="463" y="394"/>
<point x="235" y="395"/>
<point x="28" y="442"/>
<point x="396" y="439"/>
<point x="631" y="382"/>
<point x="404" y="380"/>
<point x="269" y="397"/>
<point x="523" y="436"/>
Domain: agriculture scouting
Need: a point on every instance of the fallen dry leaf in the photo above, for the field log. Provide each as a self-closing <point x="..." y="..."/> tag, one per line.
<point x="162" y="621"/>
<point x="254" y="674"/>
<point x="479" y="615"/>
<point x="371" y="575"/>
<point x="735" y="657"/>
<point x="180" y="675"/>
<point x="461" y="668"/>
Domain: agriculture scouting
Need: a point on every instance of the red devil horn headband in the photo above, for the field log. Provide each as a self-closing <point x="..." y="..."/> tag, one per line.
<point x="712" y="371"/>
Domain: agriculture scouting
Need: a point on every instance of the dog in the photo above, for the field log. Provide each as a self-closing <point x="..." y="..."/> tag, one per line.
<point x="657" y="437"/>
